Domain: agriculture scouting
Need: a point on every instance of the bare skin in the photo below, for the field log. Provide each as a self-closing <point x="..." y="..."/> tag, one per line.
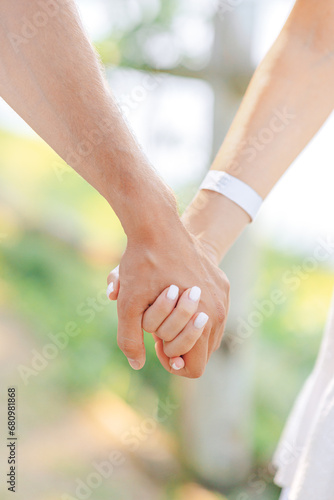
<point x="51" y="76"/>
<point x="289" y="98"/>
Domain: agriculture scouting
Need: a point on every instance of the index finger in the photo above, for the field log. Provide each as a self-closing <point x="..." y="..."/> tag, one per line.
<point x="195" y="360"/>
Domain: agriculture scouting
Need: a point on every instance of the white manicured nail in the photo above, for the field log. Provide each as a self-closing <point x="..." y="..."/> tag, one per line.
<point x="201" y="320"/>
<point x="173" y="292"/>
<point x="110" y="289"/>
<point x="176" y="367"/>
<point x="195" y="293"/>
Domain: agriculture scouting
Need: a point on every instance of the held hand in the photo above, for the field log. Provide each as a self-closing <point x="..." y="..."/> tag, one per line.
<point x="170" y="319"/>
<point x="192" y="328"/>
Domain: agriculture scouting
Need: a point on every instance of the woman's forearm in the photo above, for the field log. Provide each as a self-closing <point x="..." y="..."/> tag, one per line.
<point x="51" y="76"/>
<point x="287" y="101"/>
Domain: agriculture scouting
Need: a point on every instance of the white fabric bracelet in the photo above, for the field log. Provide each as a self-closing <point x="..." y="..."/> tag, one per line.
<point x="234" y="189"/>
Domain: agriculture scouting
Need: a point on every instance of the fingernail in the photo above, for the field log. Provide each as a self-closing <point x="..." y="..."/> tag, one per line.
<point x="110" y="289"/>
<point x="195" y="293"/>
<point x="175" y="367"/>
<point x="134" y="364"/>
<point x="173" y="292"/>
<point x="201" y="320"/>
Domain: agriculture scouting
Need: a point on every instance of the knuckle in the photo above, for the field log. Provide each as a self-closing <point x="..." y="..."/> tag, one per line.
<point x="168" y="350"/>
<point x="127" y="307"/>
<point x="131" y="302"/>
<point x="128" y="346"/>
<point x="224" y="281"/>
<point x="220" y="312"/>
<point x="196" y="372"/>
<point x="148" y="326"/>
<point x="184" y="310"/>
<point x="164" y="334"/>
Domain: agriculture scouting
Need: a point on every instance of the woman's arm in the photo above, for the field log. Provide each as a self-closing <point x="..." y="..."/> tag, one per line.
<point x="290" y="96"/>
<point x="288" y="99"/>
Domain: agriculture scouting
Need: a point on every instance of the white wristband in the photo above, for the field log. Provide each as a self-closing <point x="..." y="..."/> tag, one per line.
<point x="234" y="189"/>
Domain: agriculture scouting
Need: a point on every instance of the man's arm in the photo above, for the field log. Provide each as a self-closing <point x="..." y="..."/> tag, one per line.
<point x="50" y="75"/>
<point x="289" y="98"/>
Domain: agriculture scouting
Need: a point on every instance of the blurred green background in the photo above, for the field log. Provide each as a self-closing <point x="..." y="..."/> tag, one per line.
<point x="79" y="400"/>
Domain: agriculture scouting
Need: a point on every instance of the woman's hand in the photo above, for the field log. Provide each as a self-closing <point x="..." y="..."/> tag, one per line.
<point x="174" y="321"/>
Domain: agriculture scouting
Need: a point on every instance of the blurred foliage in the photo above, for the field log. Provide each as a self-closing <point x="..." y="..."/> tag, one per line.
<point x="50" y="285"/>
<point x="153" y="34"/>
<point x="289" y="340"/>
<point x="127" y="44"/>
<point x="54" y="265"/>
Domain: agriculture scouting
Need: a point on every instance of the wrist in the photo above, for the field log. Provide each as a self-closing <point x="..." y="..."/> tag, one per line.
<point x="147" y="208"/>
<point x="153" y="220"/>
<point x="216" y="221"/>
<point x="141" y="200"/>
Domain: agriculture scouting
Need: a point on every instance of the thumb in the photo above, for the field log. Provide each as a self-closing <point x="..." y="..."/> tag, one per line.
<point x="176" y="363"/>
<point x="130" y="337"/>
<point x="113" y="284"/>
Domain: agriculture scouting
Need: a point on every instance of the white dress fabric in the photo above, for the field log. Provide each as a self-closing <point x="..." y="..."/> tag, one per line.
<point x="305" y="454"/>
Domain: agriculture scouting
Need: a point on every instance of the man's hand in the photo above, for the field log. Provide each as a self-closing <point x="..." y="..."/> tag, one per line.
<point x="66" y="100"/>
<point x="146" y="269"/>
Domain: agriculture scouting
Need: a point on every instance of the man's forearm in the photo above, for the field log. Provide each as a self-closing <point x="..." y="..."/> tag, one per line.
<point x="52" y="78"/>
<point x="288" y="99"/>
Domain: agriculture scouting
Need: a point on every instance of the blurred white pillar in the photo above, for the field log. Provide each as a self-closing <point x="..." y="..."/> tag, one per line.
<point x="217" y="409"/>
